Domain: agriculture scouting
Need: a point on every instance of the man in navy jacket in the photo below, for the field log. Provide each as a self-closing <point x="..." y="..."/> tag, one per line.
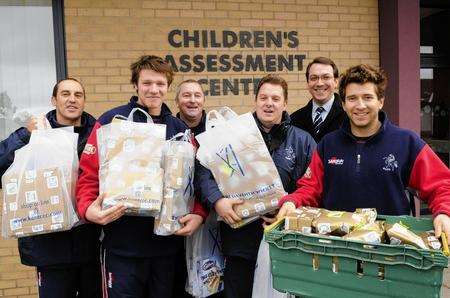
<point x="291" y="149"/>
<point x="67" y="262"/>
<point x="138" y="263"/>
<point x="370" y="162"/>
<point x="323" y="113"/>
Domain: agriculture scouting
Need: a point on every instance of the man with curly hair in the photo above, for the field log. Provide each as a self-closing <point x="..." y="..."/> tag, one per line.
<point x="370" y="162"/>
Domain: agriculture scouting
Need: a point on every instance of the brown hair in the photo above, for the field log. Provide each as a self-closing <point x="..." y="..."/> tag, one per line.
<point x="154" y="63"/>
<point x="325" y="61"/>
<point x="56" y="87"/>
<point x="361" y="74"/>
<point x="185" y="82"/>
<point x="274" y="80"/>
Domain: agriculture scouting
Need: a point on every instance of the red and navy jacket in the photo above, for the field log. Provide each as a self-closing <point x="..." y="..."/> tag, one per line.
<point x="345" y="174"/>
<point x="129" y="236"/>
<point x="81" y="244"/>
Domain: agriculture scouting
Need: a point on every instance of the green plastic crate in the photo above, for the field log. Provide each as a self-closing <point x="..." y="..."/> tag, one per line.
<point x="321" y="266"/>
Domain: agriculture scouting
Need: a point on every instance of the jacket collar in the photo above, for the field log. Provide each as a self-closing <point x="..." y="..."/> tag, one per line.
<point x="285" y="121"/>
<point x="201" y="125"/>
<point x="165" y="111"/>
<point x="334" y="111"/>
<point x="86" y="120"/>
<point x="336" y="108"/>
<point x="382" y="116"/>
<point x="277" y="134"/>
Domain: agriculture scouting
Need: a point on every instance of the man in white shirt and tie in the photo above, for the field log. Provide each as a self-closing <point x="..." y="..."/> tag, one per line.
<point x="324" y="112"/>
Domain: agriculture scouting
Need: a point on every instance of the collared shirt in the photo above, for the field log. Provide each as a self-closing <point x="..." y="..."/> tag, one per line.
<point x="327" y="107"/>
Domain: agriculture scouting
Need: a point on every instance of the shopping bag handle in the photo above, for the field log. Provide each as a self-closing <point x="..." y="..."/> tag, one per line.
<point x="120" y="117"/>
<point x="445" y="249"/>
<point x="227" y="113"/>
<point x="42" y="122"/>
<point x="131" y="115"/>
<point x="182" y="136"/>
<point x="273" y="225"/>
<point x="212" y="118"/>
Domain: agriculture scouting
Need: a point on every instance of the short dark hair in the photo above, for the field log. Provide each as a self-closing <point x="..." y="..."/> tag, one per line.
<point x="185" y="82"/>
<point x="361" y="74"/>
<point x="56" y="87"/>
<point x="273" y="79"/>
<point x="154" y="63"/>
<point x="322" y="60"/>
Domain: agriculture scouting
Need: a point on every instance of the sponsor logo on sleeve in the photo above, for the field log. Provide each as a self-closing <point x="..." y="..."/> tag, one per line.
<point x="308" y="173"/>
<point x="89" y="149"/>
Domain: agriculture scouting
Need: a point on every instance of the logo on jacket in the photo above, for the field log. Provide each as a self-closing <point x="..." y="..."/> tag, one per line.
<point x="308" y="173"/>
<point x="335" y="161"/>
<point x="289" y="153"/>
<point x="390" y="164"/>
<point x="89" y="149"/>
<point x="110" y="280"/>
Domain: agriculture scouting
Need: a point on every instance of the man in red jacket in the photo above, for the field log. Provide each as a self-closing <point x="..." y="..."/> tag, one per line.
<point x="369" y="162"/>
<point x="137" y="262"/>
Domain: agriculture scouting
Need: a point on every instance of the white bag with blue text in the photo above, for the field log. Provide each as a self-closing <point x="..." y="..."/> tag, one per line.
<point x="241" y="163"/>
<point x="204" y="260"/>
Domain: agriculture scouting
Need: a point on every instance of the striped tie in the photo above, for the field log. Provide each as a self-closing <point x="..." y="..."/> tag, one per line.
<point x="318" y="119"/>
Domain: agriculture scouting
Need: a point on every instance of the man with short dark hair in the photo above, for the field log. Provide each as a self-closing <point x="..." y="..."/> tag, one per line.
<point x="323" y="113"/>
<point x="290" y="149"/>
<point x="138" y="263"/>
<point x="369" y="162"/>
<point x="67" y="262"/>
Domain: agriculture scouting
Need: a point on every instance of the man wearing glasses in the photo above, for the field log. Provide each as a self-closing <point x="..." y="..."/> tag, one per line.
<point x="323" y="113"/>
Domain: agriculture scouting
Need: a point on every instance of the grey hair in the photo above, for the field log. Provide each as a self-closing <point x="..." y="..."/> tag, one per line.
<point x="185" y="82"/>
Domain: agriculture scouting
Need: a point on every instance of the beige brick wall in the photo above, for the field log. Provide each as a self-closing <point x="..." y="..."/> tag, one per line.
<point x="104" y="36"/>
<point x="16" y="280"/>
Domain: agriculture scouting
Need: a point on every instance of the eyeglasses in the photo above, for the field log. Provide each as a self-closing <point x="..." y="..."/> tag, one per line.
<point x="324" y="78"/>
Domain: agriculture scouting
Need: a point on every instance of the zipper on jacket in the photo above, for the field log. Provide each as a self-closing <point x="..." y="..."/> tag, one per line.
<point x="358" y="162"/>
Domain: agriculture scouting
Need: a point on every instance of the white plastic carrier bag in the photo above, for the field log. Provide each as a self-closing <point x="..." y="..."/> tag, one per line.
<point x="178" y="165"/>
<point x="235" y="152"/>
<point x="204" y="259"/>
<point x="262" y="281"/>
<point x="39" y="186"/>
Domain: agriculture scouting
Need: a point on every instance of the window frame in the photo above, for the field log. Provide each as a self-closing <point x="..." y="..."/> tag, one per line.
<point x="59" y="36"/>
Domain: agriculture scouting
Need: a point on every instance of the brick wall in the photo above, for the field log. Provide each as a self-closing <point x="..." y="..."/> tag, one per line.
<point x="104" y="36"/>
<point x="16" y="280"/>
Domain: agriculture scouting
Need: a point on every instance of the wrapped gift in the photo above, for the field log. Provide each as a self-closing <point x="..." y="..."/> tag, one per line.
<point x="130" y="171"/>
<point x="39" y="186"/>
<point x="178" y="164"/>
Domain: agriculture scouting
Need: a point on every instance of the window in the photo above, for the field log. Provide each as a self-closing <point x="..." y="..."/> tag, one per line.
<point x="435" y="75"/>
<point x="32" y="58"/>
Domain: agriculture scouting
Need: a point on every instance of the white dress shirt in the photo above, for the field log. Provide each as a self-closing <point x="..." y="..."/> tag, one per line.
<point x="327" y="108"/>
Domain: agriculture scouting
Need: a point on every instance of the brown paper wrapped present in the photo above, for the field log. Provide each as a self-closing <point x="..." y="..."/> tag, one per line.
<point x="37" y="202"/>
